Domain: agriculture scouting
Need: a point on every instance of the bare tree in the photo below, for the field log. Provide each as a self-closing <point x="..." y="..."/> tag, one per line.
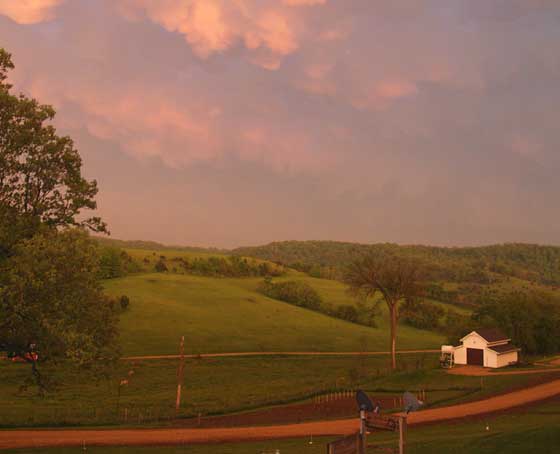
<point x="395" y="278"/>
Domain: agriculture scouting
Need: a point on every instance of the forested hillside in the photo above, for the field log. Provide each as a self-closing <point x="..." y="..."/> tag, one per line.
<point x="460" y="264"/>
<point x="460" y="275"/>
<point x="152" y="245"/>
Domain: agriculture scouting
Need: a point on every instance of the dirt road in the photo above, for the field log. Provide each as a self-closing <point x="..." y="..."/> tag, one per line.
<point x="134" y="437"/>
<point x="238" y="354"/>
<point x="478" y="371"/>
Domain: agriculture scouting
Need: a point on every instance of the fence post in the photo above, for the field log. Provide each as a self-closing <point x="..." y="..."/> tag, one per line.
<point x="402" y="434"/>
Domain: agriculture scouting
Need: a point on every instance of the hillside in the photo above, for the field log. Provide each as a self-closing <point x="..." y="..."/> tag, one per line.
<point x="227" y="314"/>
<point x="525" y="261"/>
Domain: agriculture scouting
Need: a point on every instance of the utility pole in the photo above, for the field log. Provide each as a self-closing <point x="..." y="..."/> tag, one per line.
<point x="180" y="374"/>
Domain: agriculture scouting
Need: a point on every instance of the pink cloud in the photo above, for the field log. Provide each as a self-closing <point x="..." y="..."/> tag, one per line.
<point x="379" y="95"/>
<point x="394" y="89"/>
<point x="317" y="79"/>
<point x="269" y="30"/>
<point x="524" y="146"/>
<point x="304" y="2"/>
<point x="29" y="11"/>
<point x="152" y="123"/>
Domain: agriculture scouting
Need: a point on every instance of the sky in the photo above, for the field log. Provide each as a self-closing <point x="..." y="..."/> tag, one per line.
<point x="239" y="122"/>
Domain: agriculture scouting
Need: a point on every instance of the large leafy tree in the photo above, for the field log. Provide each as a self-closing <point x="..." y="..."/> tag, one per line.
<point x="531" y="319"/>
<point x="50" y="300"/>
<point x="394" y="278"/>
<point x="40" y="172"/>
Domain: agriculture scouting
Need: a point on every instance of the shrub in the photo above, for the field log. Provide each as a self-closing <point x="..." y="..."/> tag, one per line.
<point x="347" y="312"/>
<point x="124" y="301"/>
<point x="160" y="266"/>
<point x="111" y="263"/>
<point x="293" y="292"/>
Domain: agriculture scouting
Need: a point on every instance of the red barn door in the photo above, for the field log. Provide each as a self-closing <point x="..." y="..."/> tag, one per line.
<point x="475" y="356"/>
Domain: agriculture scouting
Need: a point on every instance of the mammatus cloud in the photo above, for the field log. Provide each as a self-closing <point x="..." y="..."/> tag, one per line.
<point x="29" y="11"/>
<point x="385" y="120"/>
<point x="182" y="132"/>
<point x="269" y="30"/>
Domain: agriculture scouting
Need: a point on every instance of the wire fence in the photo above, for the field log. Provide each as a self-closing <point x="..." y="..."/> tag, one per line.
<point x="320" y="404"/>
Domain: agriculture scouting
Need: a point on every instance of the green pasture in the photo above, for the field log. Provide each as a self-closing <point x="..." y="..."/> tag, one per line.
<point x="211" y="386"/>
<point x="229" y="315"/>
<point x="533" y="429"/>
<point x="228" y="385"/>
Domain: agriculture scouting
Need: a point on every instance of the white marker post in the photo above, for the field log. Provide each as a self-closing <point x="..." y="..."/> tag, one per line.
<point x="363" y="441"/>
<point x="180" y="374"/>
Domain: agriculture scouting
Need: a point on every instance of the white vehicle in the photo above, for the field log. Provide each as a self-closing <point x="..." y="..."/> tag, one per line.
<point x="447" y="358"/>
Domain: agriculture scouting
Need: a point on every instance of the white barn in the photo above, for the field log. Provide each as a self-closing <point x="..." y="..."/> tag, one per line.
<point x="487" y="348"/>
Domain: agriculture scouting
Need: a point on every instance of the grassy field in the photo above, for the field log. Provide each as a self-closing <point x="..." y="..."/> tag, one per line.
<point x="227" y="385"/>
<point x="229" y="315"/>
<point x="533" y="429"/>
<point x="217" y="385"/>
<point x="215" y="315"/>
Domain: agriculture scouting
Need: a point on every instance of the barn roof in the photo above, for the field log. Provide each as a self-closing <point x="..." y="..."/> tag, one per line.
<point x="504" y="348"/>
<point x="492" y="334"/>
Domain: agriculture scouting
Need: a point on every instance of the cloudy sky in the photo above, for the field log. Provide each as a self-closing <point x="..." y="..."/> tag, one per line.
<point x="235" y="122"/>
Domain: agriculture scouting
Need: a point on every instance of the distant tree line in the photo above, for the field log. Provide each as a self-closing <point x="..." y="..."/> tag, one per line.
<point x="476" y="265"/>
<point x="115" y="262"/>
<point x="531" y="319"/>
<point x="153" y="245"/>
<point x="216" y="266"/>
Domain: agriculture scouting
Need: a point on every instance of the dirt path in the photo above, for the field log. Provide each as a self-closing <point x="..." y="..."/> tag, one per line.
<point x="237" y="354"/>
<point x="478" y="371"/>
<point x="134" y="437"/>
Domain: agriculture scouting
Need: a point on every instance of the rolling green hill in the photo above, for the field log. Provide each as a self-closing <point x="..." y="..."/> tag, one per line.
<point x="229" y="315"/>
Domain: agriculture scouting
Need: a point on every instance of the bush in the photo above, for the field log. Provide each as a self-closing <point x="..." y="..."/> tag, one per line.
<point x="160" y="266"/>
<point x="303" y="295"/>
<point x="293" y="292"/>
<point x="347" y="312"/>
<point x="124" y="301"/>
<point x="110" y="263"/>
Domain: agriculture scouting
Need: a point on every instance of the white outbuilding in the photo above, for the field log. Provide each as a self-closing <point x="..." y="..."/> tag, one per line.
<point x="487" y="348"/>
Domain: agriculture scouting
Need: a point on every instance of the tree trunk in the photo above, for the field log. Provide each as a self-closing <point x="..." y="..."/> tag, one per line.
<point x="393" y="313"/>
